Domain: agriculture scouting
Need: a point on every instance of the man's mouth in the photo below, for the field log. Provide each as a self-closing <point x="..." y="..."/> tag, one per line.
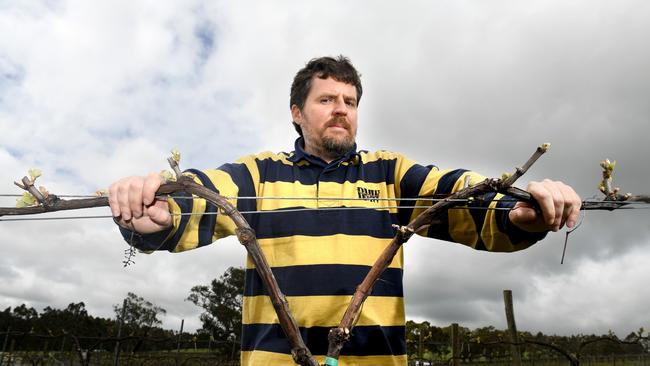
<point x="338" y="124"/>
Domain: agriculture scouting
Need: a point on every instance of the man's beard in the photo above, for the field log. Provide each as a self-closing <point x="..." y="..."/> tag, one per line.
<point x="338" y="147"/>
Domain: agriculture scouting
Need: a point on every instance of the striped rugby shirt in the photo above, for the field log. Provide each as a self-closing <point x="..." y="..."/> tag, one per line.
<point x="319" y="256"/>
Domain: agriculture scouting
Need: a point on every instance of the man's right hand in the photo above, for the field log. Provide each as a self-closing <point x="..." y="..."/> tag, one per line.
<point x="135" y="207"/>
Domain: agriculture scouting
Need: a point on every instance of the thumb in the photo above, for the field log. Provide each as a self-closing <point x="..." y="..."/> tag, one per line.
<point x="521" y="215"/>
<point x="159" y="214"/>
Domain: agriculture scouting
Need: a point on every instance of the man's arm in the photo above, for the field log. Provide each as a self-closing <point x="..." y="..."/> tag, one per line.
<point x="496" y="223"/>
<point x="179" y="223"/>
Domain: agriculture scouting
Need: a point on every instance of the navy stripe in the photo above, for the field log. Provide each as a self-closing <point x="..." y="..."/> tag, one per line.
<point x="364" y="341"/>
<point x="380" y="171"/>
<point x="515" y="234"/>
<point x="410" y="188"/>
<point x="445" y="186"/>
<point x="502" y="215"/>
<point x="368" y="222"/>
<point x="186" y="207"/>
<point x="244" y="181"/>
<point x="447" y="181"/>
<point x="479" y="217"/>
<point x="208" y="222"/>
<point x="325" y="280"/>
<point x="145" y="242"/>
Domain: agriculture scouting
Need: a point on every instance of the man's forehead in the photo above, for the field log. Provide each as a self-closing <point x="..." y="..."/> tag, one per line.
<point x="330" y="85"/>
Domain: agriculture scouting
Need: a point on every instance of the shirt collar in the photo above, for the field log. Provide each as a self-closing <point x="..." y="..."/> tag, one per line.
<point x="299" y="154"/>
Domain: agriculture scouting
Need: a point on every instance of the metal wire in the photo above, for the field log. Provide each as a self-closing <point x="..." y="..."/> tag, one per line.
<point x="298" y="209"/>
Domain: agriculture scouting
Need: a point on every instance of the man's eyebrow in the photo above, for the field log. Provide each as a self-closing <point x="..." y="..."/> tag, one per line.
<point x="335" y="94"/>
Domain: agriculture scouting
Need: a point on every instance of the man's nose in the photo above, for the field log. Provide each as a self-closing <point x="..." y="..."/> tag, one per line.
<point x="340" y="108"/>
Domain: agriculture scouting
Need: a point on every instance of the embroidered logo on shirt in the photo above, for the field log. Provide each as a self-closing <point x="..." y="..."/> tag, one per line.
<point x="371" y="195"/>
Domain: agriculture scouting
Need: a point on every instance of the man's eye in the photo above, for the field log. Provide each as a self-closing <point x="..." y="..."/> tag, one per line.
<point x="326" y="100"/>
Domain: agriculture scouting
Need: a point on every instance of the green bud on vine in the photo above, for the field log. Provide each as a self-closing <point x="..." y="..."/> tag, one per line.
<point x="43" y="191"/>
<point x="26" y="200"/>
<point x="168" y="176"/>
<point x="34" y="173"/>
<point x="176" y="155"/>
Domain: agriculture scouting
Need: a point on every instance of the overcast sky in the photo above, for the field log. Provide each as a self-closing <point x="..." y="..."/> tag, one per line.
<point x="94" y="91"/>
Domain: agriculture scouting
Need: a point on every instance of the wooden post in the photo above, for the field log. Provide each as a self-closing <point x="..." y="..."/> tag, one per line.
<point x="12" y="346"/>
<point x="178" y="345"/>
<point x="455" y="345"/>
<point x="512" y="328"/>
<point x="116" y="352"/>
<point x="420" y="343"/>
<point x="45" y="346"/>
<point x="4" y="344"/>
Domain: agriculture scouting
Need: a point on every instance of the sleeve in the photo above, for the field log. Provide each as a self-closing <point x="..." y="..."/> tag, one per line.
<point x="197" y="223"/>
<point x="484" y="226"/>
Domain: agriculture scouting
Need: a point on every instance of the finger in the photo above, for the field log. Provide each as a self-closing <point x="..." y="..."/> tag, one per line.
<point x="135" y="196"/>
<point x="122" y="197"/>
<point x="151" y="185"/>
<point x="555" y="190"/>
<point x="112" y="200"/>
<point x="545" y="200"/>
<point x="573" y="203"/>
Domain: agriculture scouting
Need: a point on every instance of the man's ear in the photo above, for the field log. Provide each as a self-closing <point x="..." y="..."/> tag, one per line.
<point x="296" y="114"/>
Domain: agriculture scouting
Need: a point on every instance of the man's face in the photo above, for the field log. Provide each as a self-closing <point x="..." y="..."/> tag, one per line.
<point x="328" y="118"/>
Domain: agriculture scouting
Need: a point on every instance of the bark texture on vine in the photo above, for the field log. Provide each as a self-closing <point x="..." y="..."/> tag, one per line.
<point x="338" y="336"/>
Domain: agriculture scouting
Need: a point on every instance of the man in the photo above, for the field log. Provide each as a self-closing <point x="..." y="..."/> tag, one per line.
<point x="319" y="256"/>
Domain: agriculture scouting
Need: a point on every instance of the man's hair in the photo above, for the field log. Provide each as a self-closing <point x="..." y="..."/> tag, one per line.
<point x="340" y="69"/>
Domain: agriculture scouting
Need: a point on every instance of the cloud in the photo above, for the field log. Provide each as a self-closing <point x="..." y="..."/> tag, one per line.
<point x="90" y="93"/>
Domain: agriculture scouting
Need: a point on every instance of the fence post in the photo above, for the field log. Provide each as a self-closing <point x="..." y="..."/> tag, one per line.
<point x="12" y="346"/>
<point x="116" y="352"/>
<point x="455" y="345"/>
<point x="4" y="345"/>
<point x="45" y="346"/>
<point x="420" y="353"/>
<point x="512" y="328"/>
<point x="178" y="344"/>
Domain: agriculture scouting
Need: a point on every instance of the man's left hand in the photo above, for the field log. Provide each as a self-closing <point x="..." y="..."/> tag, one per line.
<point x="559" y="205"/>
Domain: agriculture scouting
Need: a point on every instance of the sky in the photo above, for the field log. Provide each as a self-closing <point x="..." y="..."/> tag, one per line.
<point x="91" y="92"/>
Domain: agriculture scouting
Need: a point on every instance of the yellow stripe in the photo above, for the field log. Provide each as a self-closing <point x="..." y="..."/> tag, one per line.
<point x="333" y="249"/>
<point x="494" y="240"/>
<point x="224" y="183"/>
<point x="462" y="228"/>
<point x="281" y="157"/>
<point x="263" y="358"/>
<point x="175" y="210"/>
<point x="325" y="311"/>
<point x="323" y="190"/>
<point x="227" y="187"/>
<point x="190" y="238"/>
<point x="286" y="189"/>
<point x="369" y="157"/>
<point x="349" y="190"/>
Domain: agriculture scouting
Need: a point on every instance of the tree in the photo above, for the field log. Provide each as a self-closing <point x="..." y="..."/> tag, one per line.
<point x="73" y="319"/>
<point x="222" y="302"/>
<point x="140" y="314"/>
